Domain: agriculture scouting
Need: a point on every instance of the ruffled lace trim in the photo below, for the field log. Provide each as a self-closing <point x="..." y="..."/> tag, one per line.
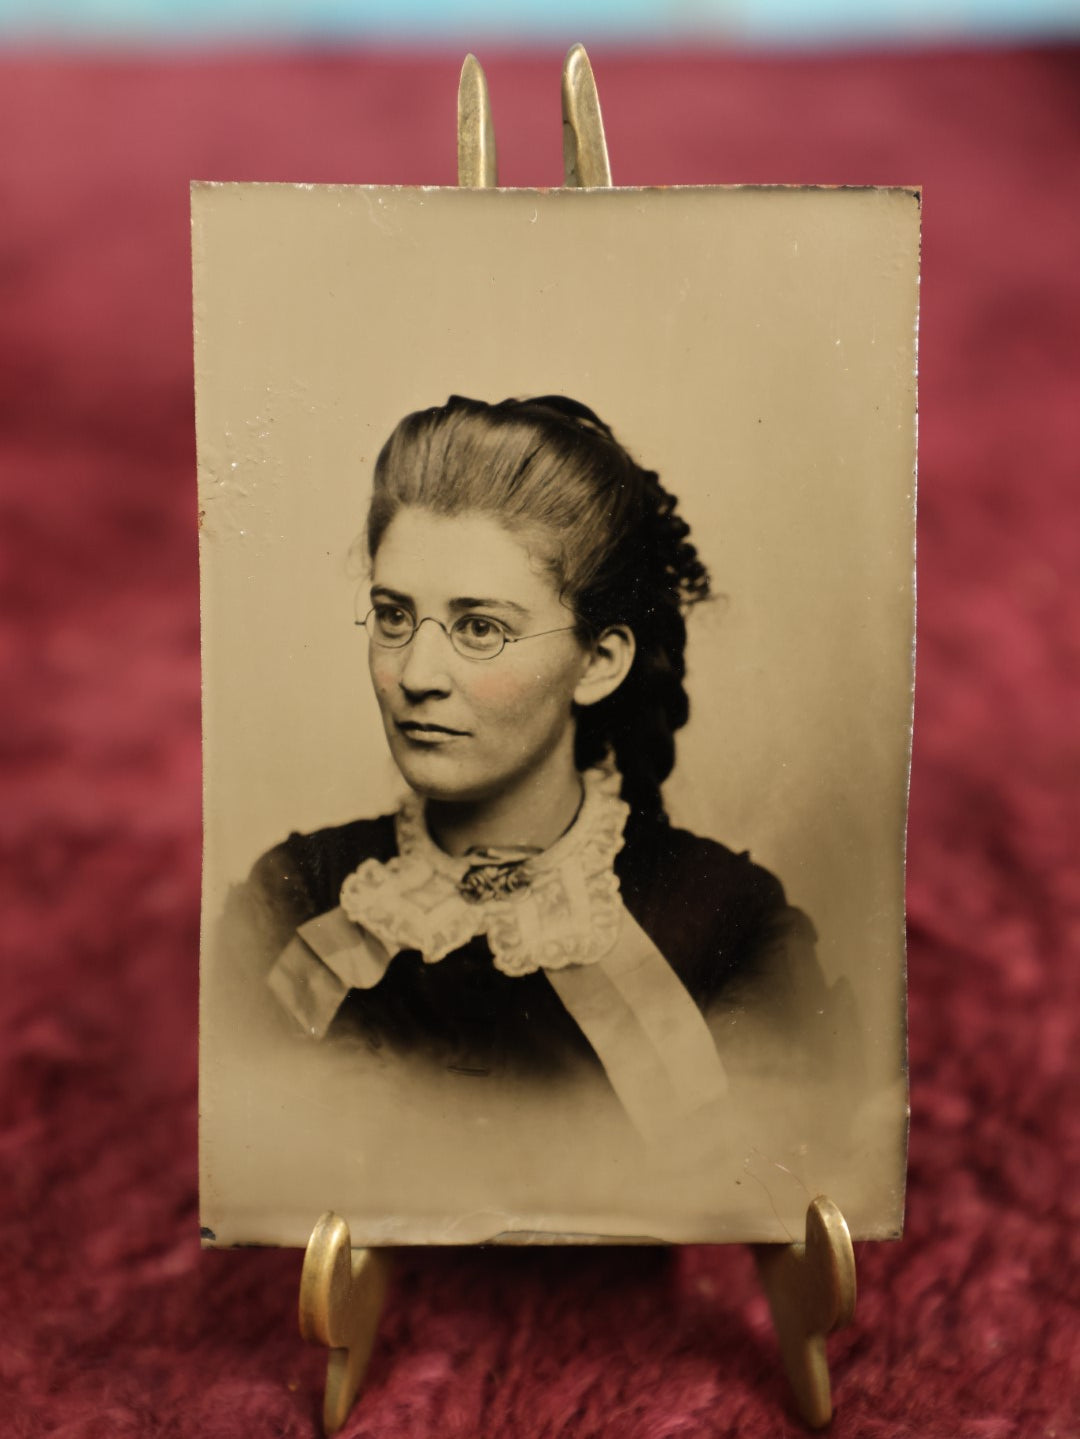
<point x="567" y="913"/>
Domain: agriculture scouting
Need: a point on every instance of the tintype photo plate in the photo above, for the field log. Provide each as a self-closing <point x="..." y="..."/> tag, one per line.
<point x="557" y="559"/>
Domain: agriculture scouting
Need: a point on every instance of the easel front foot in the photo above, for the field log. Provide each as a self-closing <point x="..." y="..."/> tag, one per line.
<point x="811" y="1292"/>
<point x="342" y="1291"/>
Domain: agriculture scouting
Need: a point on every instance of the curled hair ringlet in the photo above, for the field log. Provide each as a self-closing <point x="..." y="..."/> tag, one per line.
<point x="552" y="472"/>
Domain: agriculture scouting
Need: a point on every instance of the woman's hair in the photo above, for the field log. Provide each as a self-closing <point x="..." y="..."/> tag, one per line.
<point x="611" y="537"/>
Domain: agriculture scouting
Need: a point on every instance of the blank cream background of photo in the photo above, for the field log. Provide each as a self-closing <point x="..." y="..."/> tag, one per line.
<point x="756" y="346"/>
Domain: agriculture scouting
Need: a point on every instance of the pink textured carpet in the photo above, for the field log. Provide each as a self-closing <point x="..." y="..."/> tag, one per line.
<point x="113" y="1322"/>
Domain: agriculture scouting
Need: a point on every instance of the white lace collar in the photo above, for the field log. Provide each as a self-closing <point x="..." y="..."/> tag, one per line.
<point x="562" y="907"/>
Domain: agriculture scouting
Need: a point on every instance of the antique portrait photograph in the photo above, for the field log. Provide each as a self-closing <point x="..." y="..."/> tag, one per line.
<point x="557" y="556"/>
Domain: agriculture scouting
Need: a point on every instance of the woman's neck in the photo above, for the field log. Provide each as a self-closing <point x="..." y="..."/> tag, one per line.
<point x="532" y="815"/>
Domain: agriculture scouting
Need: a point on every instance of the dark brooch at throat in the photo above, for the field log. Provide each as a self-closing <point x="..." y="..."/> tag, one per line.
<point x="498" y="872"/>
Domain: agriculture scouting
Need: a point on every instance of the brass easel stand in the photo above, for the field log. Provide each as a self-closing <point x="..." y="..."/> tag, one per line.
<point x="341" y="1298"/>
<point x="811" y="1291"/>
<point x="810" y="1286"/>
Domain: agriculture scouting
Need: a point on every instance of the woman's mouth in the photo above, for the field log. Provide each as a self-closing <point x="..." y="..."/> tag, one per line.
<point x="422" y="733"/>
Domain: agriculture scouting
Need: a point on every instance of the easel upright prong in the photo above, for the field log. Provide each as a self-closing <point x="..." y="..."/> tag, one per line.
<point x="811" y="1292"/>
<point x="341" y="1298"/>
<point x="585" y="155"/>
<point x="476" y="155"/>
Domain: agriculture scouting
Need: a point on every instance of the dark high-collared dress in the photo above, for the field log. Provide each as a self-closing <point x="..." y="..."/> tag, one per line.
<point x="745" y="956"/>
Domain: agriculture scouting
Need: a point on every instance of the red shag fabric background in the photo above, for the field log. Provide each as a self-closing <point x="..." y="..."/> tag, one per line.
<point x="113" y="1322"/>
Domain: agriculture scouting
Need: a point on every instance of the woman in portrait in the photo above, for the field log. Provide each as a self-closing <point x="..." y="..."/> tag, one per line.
<point x="530" y="909"/>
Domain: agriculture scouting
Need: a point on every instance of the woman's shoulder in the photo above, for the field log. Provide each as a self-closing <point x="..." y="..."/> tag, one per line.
<point x="313" y="866"/>
<point x="713" y="912"/>
<point x="662" y="857"/>
<point x="334" y="846"/>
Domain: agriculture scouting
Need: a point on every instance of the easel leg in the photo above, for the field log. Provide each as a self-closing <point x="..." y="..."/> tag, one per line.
<point x="811" y="1292"/>
<point x="341" y="1298"/>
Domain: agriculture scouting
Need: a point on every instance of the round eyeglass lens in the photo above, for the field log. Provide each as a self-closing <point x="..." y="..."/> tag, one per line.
<point x="390" y="625"/>
<point x="477" y="638"/>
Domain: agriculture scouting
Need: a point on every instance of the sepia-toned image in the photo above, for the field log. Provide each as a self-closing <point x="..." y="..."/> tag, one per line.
<point x="558" y="610"/>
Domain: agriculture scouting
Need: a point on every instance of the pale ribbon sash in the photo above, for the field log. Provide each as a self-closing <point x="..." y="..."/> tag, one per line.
<point x="648" y="1033"/>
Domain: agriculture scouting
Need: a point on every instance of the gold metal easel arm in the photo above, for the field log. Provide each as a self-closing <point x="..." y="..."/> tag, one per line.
<point x="811" y="1292"/>
<point x="585" y="156"/>
<point x="341" y="1298"/>
<point x="477" y="163"/>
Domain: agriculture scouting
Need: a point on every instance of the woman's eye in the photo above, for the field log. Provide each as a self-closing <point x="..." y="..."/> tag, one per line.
<point x="392" y="619"/>
<point x="480" y="633"/>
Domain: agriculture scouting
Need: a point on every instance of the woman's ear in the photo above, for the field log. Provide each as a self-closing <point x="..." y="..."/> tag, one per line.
<point x="608" y="665"/>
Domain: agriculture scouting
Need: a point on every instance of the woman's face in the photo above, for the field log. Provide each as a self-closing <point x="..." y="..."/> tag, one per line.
<point x="464" y="729"/>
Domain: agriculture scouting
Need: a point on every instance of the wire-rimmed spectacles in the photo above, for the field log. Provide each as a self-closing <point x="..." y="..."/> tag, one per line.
<point x="476" y="637"/>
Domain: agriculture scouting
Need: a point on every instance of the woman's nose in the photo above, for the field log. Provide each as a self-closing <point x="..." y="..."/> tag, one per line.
<point x="426" y="659"/>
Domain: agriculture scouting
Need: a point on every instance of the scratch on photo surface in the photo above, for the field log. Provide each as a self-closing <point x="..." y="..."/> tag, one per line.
<point x="772" y="1205"/>
<point x="378" y="215"/>
<point x="775" y="1163"/>
<point x="467" y="1221"/>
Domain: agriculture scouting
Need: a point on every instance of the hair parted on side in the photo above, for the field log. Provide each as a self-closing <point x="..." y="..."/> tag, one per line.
<point x="607" y="529"/>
